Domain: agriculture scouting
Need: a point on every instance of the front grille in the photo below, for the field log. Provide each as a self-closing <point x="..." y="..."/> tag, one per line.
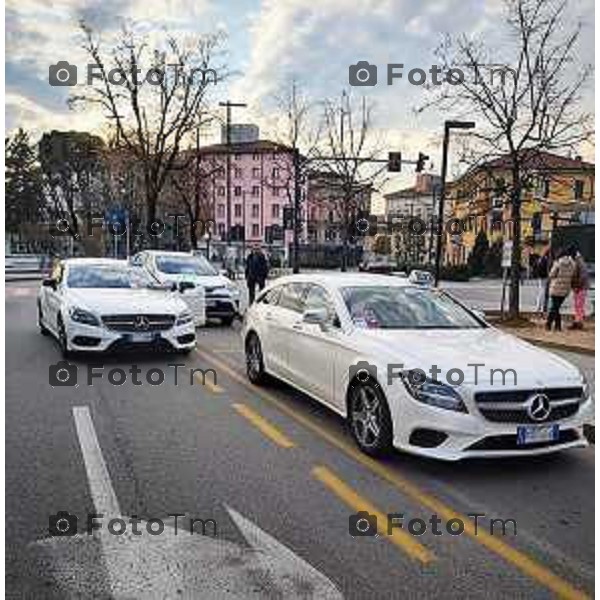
<point x="138" y="323"/>
<point x="509" y="406"/>
<point x="509" y="442"/>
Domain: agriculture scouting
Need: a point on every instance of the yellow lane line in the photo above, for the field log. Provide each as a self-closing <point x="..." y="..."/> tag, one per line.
<point x="400" y="538"/>
<point x="268" y="430"/>
<point x="207" y="383"/>
<point x="523" y="562"/>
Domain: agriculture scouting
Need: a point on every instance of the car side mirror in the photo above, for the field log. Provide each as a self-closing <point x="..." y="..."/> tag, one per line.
<point x="316" y="316"/>
<point x="51" y="283"/>
<point x="185" y="285"/>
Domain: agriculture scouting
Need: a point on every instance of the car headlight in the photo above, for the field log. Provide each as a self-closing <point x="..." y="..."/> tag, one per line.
<point x="234" y="291"/>
<point x="432" y="392"/>
<point x="587" y="390"/>
<point x="184" y="318"/>
<point x="84" y="316"/>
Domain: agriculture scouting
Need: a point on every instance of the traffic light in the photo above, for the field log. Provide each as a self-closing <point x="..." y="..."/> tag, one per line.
<point x="288" y="217"/>
<point x="421" y="162"/>
<point x="394" y="162"/>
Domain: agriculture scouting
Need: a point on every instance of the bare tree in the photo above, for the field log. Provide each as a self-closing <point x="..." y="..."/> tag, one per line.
<point x="523" y="109"/>
<point x="192" y="178"/>
<point x="346" y="157"/>
<point x="154" y="94"/>
<point x="298" y="137"/>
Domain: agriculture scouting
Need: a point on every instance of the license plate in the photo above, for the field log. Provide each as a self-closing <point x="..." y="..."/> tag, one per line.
<point x="143" y="336"/>
<point x="532" y="434"/>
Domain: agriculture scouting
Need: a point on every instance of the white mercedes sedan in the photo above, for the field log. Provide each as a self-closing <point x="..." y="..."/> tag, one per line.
<point x="93" y="304"/>
<point x="410" y="367"/>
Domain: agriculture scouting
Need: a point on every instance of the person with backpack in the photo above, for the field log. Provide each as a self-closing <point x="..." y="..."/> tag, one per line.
<point x="560" y="278"/>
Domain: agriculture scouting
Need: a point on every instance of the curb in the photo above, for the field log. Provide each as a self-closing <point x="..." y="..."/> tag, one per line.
<point x="559" y="346"/>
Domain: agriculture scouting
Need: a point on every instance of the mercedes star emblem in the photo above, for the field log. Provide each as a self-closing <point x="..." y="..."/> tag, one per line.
<point x="538" y="407"/>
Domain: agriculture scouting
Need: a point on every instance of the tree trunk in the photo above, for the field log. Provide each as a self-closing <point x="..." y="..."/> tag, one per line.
<point x="515" y="259"/>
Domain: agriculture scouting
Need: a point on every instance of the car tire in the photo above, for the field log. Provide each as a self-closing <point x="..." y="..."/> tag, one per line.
<point x="255" y="367"/>
<point x="62" y="338"/>
<point x="369" y="418"/>
<point x="227" y="321"/>
<point x="43" y="329"/>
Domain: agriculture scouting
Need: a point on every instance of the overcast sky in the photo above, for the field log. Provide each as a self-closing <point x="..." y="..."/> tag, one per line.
<point x="268" y="42"/>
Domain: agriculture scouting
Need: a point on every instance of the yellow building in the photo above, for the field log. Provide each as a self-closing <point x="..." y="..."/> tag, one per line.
<point x="558" y="190"/>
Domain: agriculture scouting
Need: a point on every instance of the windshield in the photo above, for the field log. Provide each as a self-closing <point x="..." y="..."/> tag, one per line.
<point x="184" y="265"/>
<point x="389" y="307"/>
<point x="81" y="276"/>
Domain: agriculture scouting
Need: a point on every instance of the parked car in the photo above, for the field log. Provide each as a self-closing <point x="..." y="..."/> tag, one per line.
<point x="378" y="264"/>
<point x="421" y="277"/>
<point x="388" y="355"/>
<point x="221" y="295"/>
<point x="101" y="304"/>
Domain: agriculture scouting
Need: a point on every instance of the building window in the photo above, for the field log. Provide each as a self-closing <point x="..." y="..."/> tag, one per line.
<point x="220" y="210"/>
<point x="578" y="189"/>
<point x="237" y="156"/>
<point x="275" y="211"/>
<point x="237" y="190"/>
<point x="256" y="172"/>
<point x="237" y="210"/>
<point x="255" y="156"/>
<point x="255" y="209"/>
<point x="237" y="172"/>
<point x="220" y="191"/>
<point x="255" y="230"/>
<point x="221" y="229"/>
<point x="255" y="190"/>
<point x="221" y="172"/>
<point x="275" y="173"/>
<point x="275" y="191"/>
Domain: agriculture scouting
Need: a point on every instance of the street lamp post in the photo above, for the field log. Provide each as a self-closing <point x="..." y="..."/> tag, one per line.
<point x="448" y="125"/>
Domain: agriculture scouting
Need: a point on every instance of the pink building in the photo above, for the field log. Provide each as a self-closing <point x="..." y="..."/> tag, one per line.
<point x="261" y="183"/>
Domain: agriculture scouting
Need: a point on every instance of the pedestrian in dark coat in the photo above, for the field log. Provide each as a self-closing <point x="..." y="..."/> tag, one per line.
<point x="257" y="269"/>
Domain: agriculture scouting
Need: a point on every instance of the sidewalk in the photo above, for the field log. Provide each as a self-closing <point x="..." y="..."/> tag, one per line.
<point x="579" y="341"/>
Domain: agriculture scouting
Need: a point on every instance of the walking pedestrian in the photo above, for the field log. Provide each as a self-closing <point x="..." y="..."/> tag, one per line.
<point x="257" y="269"/>
<point x="560" y="278"/>
<point x="580" y="284"/>
<point x="540" y="271"/>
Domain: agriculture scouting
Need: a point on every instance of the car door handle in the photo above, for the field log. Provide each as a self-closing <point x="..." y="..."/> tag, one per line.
<point x="269" y="317"/>
<point x="297" y="326"/>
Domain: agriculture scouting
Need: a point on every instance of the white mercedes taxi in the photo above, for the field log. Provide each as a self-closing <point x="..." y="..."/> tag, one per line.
<point x="410" y="367"/>
<point x="91" y="304"/>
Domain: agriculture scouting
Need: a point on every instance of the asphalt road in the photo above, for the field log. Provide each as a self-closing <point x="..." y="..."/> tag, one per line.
<point x="280" y="477"/>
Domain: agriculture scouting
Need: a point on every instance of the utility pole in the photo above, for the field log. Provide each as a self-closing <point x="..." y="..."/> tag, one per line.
<point x="345" y="191"/>
<point x="448" y="125"/>
<point x="297" y="212"/>
<point x="228" y="106"/>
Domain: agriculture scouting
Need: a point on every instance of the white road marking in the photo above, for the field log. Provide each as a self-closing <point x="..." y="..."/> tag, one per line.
<point x="103" y="495"/>
<point x="172" y="564"/>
